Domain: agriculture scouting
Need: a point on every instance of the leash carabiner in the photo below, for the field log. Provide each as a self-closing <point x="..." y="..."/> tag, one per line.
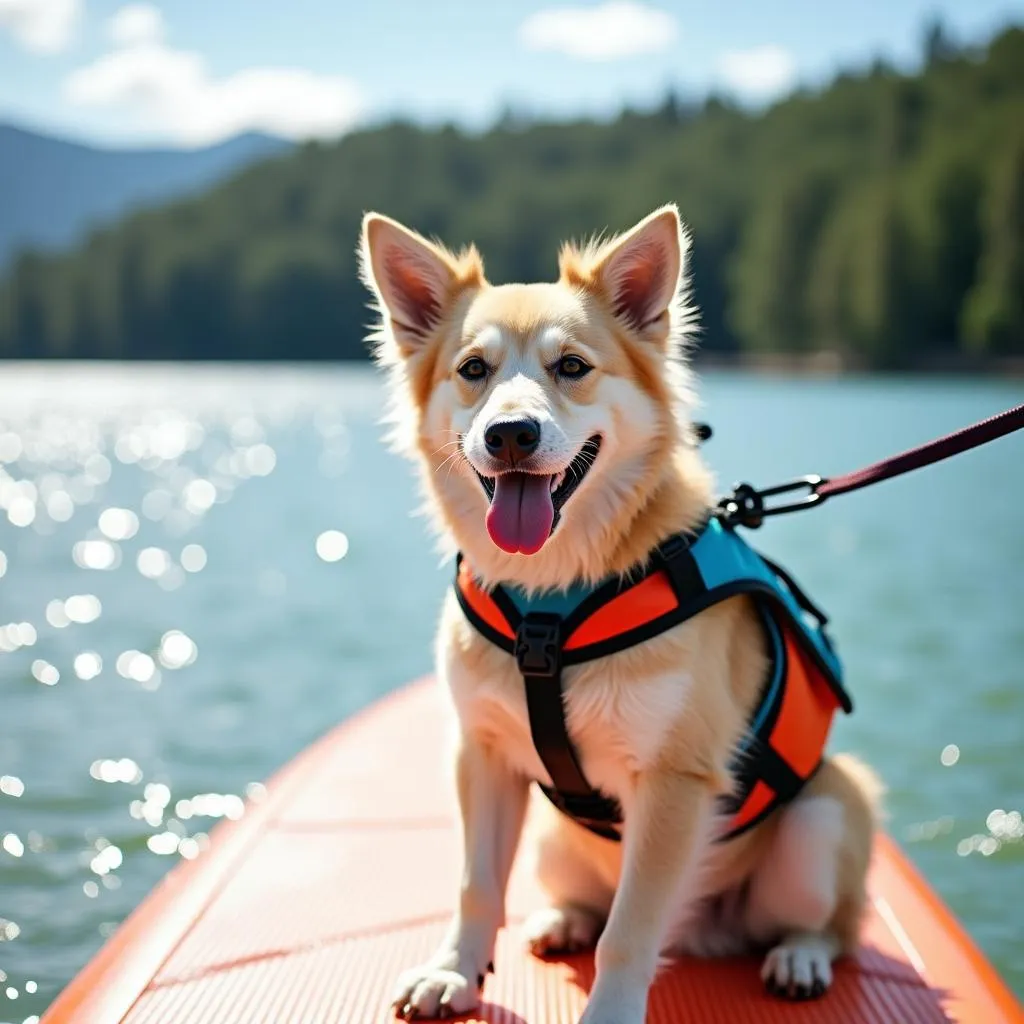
<point x="746" y="505"/>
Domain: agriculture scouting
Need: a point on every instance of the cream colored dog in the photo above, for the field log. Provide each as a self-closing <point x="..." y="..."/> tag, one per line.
<point x="551" y="367"/>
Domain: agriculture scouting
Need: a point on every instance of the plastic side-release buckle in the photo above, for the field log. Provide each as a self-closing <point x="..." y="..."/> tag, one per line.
<point x="539" y="645"/>
<point x="674" y="546"/>
<point x="677" y="555"/>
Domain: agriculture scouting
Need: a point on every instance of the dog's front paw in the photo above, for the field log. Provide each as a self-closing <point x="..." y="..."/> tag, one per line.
<point x="431" y="992"/>
<point x="799" y="968"/>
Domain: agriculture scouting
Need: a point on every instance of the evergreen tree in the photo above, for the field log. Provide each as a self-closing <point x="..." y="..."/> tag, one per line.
<point x="882" y="216"/>
<point x="770" y="281"/>
<point x="994" y="314"/>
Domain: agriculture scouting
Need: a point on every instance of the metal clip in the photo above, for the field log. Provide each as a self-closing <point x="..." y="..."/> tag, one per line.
<point x="746" y="505"/>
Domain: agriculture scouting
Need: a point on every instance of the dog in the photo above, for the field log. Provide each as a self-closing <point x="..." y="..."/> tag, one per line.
<point x="551" y="426"/>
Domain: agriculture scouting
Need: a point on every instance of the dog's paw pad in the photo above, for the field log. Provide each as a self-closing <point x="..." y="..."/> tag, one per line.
<point x="433" y="993"/>
<point x="798" y="969"/>
<point x="561" y="930"/>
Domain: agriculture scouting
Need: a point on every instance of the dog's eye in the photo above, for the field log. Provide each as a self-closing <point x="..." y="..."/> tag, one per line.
<point x="572" y="367"/>
<point x="473" y="369"/>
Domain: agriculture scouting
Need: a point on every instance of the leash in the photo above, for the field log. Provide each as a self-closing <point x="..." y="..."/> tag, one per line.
<point x="746" y="505"/>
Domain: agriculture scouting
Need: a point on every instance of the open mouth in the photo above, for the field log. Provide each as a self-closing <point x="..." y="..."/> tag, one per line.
<point x="525" y="507"/>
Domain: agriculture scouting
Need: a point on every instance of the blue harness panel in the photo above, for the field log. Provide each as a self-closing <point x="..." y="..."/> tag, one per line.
<point x="725" y="560"/>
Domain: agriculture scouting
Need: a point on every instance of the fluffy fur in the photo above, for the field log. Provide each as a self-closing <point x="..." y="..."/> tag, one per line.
<point x="655" y="725"/>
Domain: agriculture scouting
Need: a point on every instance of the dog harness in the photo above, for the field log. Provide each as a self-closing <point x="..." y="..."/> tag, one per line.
<point x="686" y="574"/>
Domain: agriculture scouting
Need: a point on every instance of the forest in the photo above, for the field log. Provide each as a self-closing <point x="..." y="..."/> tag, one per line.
<point x="879" y="218"/>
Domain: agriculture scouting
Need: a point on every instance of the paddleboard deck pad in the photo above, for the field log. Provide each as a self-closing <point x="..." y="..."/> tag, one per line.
<point x="306" y="909"/>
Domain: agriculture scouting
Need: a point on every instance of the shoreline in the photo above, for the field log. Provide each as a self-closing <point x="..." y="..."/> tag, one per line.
<point x="835" y="364"/>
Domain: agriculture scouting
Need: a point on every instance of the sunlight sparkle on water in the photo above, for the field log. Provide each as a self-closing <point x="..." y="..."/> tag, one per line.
<point x="332" y="545"/>
<point x="200" y="496"/>
<point x="136" y="665"/>
<point x="153" y="562"/>
<point x="96" y="554"/>
<point x="88" y="665"/>
<point x="21" y="511"/>
<point x="108" y="859"/>
<point x="12" y="845"/>
<point x="211" y="805"/>
<point x="177" y="650"/>
<point x="56" y="616"/>
<point x="11" y="785"/>
<point x="950" y="755"/>
<point x="118" y="523"/>
<point x="1006" y="826"/>
<point x="163" y="843"/>
<point x="1004" y="829"/>
<point x="82" y="608"/>
<point x="45" y="673"/>
<point x="188" y="848"/>
<point x="59" y="506"/>
<point x="122" y="770"/>
<point x="193" y="558"/>
<point x="157" y="793"/>
<point x="17" y="634"/>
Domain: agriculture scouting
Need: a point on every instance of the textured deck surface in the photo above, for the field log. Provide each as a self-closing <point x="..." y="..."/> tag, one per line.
<point x="304" y="911"/>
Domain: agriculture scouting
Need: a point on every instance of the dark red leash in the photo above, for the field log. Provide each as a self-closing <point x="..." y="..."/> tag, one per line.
<point x="746" y="507"/>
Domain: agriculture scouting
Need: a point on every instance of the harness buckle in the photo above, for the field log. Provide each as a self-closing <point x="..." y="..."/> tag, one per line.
<point x="539" y="645"/>
<point x="674" y="546"/>
<point x="746" y="505"/>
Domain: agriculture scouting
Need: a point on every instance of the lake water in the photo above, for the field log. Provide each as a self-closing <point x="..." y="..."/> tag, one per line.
<point x="170" y="633"/>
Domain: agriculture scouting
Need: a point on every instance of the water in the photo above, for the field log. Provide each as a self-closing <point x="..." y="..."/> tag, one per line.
<point x="217" y="641"/>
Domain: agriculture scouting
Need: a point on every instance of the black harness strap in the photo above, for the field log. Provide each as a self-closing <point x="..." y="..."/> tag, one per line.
<point x="539" y="656"/>
<point x="538" y="653"/>
<point x="540" y="639"/>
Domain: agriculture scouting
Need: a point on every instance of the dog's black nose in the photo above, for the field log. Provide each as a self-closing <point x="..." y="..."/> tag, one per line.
<point x="512" y="440"/>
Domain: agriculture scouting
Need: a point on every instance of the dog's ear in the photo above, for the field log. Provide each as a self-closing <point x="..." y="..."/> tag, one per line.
<point x="415" y="280"/>
<point x="639" y="273"/>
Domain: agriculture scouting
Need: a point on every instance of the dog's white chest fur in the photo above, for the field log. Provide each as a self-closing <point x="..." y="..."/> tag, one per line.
<point x="616" y="719"/>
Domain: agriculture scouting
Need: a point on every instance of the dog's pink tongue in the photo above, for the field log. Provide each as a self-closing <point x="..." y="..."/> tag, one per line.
<point x="521" y="513"/>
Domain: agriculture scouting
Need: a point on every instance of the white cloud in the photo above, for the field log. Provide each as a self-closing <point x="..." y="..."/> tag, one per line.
<point x="612" y="30"/>
<point x="758" y="74"/>
<point x="173" y="89"/>
<point x="44" y="26"/>
<point x="137" y="24"/>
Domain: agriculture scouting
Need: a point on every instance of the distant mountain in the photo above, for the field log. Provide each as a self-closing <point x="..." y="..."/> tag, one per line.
<point x="52" y="192"/>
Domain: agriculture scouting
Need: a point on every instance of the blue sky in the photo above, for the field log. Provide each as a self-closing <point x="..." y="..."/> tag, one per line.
<point x="190" y="72"/>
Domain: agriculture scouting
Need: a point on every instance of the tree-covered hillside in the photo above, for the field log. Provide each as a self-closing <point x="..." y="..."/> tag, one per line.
<point x="881" y="217"/>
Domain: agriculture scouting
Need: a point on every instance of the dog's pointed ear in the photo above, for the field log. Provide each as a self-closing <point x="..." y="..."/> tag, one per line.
<point x="639" y="274"/>
<point x="415" y="280"/>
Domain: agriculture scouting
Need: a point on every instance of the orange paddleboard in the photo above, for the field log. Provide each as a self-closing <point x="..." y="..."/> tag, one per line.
<point x="305" y="910"/>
